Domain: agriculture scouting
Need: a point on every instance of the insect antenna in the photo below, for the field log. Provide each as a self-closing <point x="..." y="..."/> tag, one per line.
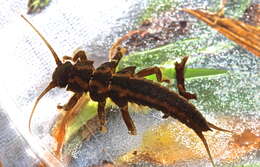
<point x="57" y="60"/>
<point x="49" y="87"/>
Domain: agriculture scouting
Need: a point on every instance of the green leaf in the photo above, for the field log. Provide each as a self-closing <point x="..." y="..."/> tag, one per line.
<point x="218" y="48"/>
<point x="165" y="57"/>
<point x="160" y="55"/>
<point x="37" y="5"/>
<point x="189" y="73"/>
<point x="234" y="9"/>
<point x="88" y="112"/>
<point x="156" y="7"/>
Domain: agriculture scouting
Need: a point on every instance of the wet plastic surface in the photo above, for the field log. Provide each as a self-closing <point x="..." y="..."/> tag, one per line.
<point x="26" y="67"/>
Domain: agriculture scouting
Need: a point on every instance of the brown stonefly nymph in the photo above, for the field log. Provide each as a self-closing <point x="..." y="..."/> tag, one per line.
<point x="77" y="74"/>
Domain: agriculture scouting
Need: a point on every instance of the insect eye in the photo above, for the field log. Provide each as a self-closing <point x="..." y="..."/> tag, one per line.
<point x="61" y="74"/>
<point x="62" y="82"/>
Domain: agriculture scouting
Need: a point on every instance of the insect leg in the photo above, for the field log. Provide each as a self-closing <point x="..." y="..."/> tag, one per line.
<point x="128" y="120"/>
<point x="179" y="68"/>
<point x="78" y="55"/>
<point x="150" y="71"/>
<point x="122" y="103"/>
<point x="118" y="43"/>
<point x="64" y="58"/>
<point x="102" y="116"/>
<point x="120" y="52"/>
<point x="128" y="70"/>
<point x="72" y="102"/>
<point x="144" y="72"/>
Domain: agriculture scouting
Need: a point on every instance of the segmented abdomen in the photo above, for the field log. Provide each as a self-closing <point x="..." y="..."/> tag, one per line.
<point x="153" y="95"/>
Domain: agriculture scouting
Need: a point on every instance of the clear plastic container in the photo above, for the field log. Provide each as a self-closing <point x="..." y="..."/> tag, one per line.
<point x="27" y="65"/>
